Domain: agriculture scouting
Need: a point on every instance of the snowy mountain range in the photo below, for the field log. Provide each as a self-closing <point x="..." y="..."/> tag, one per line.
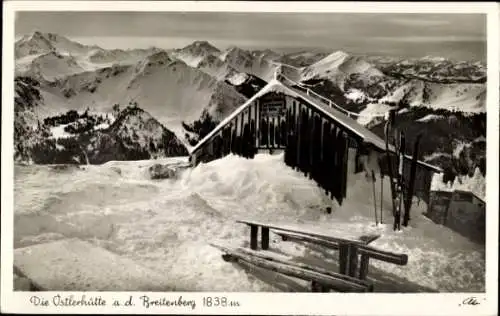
<point x="180" y="87"/>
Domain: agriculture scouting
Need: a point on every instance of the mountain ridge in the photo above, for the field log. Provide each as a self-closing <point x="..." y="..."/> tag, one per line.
<point x="183" y="88"/>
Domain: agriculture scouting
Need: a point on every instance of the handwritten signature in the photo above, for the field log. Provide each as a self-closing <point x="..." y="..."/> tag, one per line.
<point x="473" y="301"/>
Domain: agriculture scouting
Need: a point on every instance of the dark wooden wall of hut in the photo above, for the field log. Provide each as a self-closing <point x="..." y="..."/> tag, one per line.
<point x="313" y="142"/>
<point x="461" y="211"/>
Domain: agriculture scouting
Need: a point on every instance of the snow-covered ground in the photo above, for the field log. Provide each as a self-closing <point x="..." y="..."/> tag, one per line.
<point x="59" y="132"/>
<point x="356" y="95"/>
<point x="430" y="117"/>
<point x="167" y="225"/>
<point x="373" y="111"/>
<point x="237" y="78"/>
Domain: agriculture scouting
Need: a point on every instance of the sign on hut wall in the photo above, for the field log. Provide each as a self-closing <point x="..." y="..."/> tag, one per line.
<point x="273" y="106"/>
<point x="272" y="121"/>
<point x="273" y="109"/>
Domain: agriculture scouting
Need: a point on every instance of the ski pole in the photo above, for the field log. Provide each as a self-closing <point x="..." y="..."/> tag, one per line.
<point x="381" y="196"/>
<point x="374" y="197"/>
<point x="402" y="149"/>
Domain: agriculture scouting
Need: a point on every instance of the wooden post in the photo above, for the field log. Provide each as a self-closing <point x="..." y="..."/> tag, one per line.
<point x="235" y="135"/>
<point x="310" y="168"/>
<point x="353" y="260"/>
<point x="265" y="238"/>
<point x="275" y="140"/>
<point x="277" y="132"/>
<point x="262" y="132"/>
<point x="305" y="126"/>
<point x="242" y="140"/>
<point x="317" y="287"/>
<point x="333" y="173"/>
<point x="249" y="144"/>
<point x="363" y="266"/>
<point x="381" y="197"/>
<point x="345" y="159"/>
<point x="298" y="127"/>
<point x="230" y="125"/>
<point x="254" y="229"/>
<point x="343" y="258"/>
<point x="227" y="137"/>
<point x="268" y="136"/>
<point x="257" y="124"/>
<point x="272" y="134"/>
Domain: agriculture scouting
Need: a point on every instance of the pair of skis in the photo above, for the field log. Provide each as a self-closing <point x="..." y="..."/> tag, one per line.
<point x="400" y="198"/>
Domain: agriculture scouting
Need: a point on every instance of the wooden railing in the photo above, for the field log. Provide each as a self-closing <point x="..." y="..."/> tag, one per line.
<point x="321" y="279"/>
<point x="330" y="103"/>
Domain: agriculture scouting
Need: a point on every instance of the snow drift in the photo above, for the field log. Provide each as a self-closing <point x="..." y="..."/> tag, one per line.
<point x="166" y="225"/>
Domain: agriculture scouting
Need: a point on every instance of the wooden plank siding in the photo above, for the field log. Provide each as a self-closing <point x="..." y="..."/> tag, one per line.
<point x="316" y="140"/>
<point x="312" y="142"/>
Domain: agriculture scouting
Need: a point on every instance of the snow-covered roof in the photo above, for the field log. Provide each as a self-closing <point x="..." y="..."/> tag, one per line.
<point x="350" y="124"/>
<point x="474" y="194"/>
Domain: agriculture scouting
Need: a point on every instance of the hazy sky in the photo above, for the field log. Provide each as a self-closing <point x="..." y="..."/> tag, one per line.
<point x="459" y="36"/>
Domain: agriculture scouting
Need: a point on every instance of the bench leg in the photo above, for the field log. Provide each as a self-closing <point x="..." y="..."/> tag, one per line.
<point x="265" y="238"/>
<point x="343" y="258"/>
<point x="363" y="267"/>
<point x="229" y="258"/>
<point x="353" y="260"/>
<point x="317" y="287"/>
<point x="253" y="236"/>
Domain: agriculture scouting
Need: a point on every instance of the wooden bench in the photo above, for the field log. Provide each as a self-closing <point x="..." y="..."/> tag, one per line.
<point x="349" y="248"/>
<point x="366" y="252"/>
<point x="322" y="280"/>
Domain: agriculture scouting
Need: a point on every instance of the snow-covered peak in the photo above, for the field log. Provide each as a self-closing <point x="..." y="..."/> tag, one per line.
<point x="34" y="36"/>
<point x="38" y="42"/>
<point x="435" y="59"/>
<point x="159" y="56"/>
<point x="200" y="48"/>
<point x="129" y="56"/>
<point x="334" y="59"/>
<point x="339" y="66"/>
<point x="139" y="126"/>
<point x="243" y="61"/>
<point x="234" y="53"/>
<point x="237" y="78"/>
<point x="210" y="61"/>
<point x="133" y="120"/>
<point x="32" y="44"/>
<point x="49" y="65"/>
<point x="196" y="52"/>
<point x="153" y="61"/>
<point x="266" y="54"/>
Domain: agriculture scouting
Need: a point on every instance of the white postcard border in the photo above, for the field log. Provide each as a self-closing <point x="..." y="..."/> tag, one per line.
<point x="261" y="303"/>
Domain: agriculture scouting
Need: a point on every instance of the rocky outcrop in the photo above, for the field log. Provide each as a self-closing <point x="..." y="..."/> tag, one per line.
<point x="134" y="135"/>
<point x="159" y="171"/>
